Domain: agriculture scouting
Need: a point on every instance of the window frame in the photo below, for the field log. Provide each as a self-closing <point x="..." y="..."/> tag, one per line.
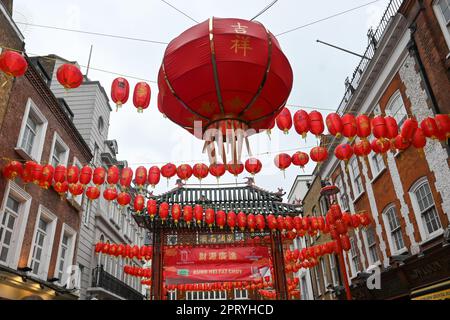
<point x="375" y="163"/>
<point x="369" y="246"/>
<point x="339" y="182"/>
<point x="58" y="140"/>
<point x="442" y="23"/>
<point x="323" y="266"/>
<point x="32" y="110"/>
<point x="425" y="235"/>
<point x="317" y="281"/>
<point x="239" y="294"/>
<point x="354" y="182"/>
<point x="354" y="256"/>
<point x="69" y="254"/>
<point x="387" y="227"/>
<point x="52" y="221"/>
<point x="388" y="111"/>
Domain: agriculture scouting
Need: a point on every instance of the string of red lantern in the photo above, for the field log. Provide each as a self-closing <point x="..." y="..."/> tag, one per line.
<point x="137" y="272"/>
<point x="124" y="251"/>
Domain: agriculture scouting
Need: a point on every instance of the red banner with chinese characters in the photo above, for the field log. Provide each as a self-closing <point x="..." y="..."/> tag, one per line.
<point x="197" y="265"/>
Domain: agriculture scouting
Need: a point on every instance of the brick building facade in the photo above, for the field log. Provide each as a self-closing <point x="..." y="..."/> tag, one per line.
<point x="40" y="230"/>
<point x="407" y="193"/>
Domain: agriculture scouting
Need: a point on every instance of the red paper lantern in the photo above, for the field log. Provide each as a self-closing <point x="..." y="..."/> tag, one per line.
<point x="86" y="175"/>
<point x="176" y="213"/>
<point x="99" y="176"/>
<point x="73" y="174"/>
<point x="13" y="64"/>
<point x="409" y="128"/>
<point x="284" y="121"/>
<point x="47" y="176"/>
<point x="120" y="91"/>
<point x="363" y="126"/>
<point x="346" y="244"/>
<point x="164" y="211"/>
<point x="362" y="148"/>
<point x="344" y="152"/>
<point x="443" y="125"/>
<point x="139" y="203"/>
<point x="260" y="222"/>
<point x="154" y="176"/>
<point x="280" y="223"/>
<point x="188" y="214"/>
<point x="253" y="166"/>
<point x="110" y="194"/>
<point x="36" y="173"/>
<point x="356" y="222"/>
<point x="365" y="219"/>
<point x="334" y="125"/>
<point x="59" y="175"/>
<point x="61" y="188"/>
<point x="221" y="219"/>
<point x="184" y="172"/>
<point x="210" y="217"/>
<point x="419" y="141"/>
<point x="126" y="177"/>
<point x="301" y="123"/>
<point x="218" y="70"/>
<point x="283" y="161"/>
<point x="217" y="170"/>
<point x="140" y="178"/>
<point x="113" y="175"/>
<point x="152" y="208"/>
<point x="99" y="247"/>
<point x="429" y="128"/>
<point x="380" y="146"/>
<point x="350" y="129"/>
<point x="319" y="154"/>
<point x="200" y="171"/>
<point x="242" y="220"/>
<point x="251" y="222"/>
<point x="141" y="96"/>
<point x="391" y="128"/>
<point x="28" y="169"/>
<point x="316" y="125"/>
<point x="124" y="199"/>
<point x="169" y="171"/>
<point x="379" y="127"/>
<point x="231" y="220"/>
<point x="12" y="170"/>
<point x="69" y="76"/>
<point x="235" y="168"/>
<point x="76" y="189"/>
<point x="289" y="223"/>
<point x="300" y="159"/>
<point x="198" y="214"/>
<point x="93" y="193"/>
<point x="401" y="143"/>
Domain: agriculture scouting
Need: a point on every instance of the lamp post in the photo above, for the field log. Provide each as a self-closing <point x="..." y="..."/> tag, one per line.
<point x="330" y="193"/>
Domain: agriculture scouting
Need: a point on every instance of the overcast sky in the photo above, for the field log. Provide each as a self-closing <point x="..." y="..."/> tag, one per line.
<point x="319" y="71"/>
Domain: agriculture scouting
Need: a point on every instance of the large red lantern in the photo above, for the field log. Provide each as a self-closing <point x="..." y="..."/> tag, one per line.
<point x="124" y="199"/>
<point x="184" y="172"/>
<point x="76" y="189"/>
<point x="429" y="128"/>
<point x="362" y="148"/>
<point x="188" y="215"/>
<point x="99" y="176"/>
<point x="176" y="213"/>
<point x="284" y="121"/>
<point x="225" y="74"/>
<point x="47" y="176"/>
<point x="217" y="170"/>
<point x="113" y="175"/>
<point x="300" y="159"/>
<point x="73" y="174"/>
<point x="62" y="188"/>
<point x="253" y="166"/>
<point x="380" y="146"/>
<point x="272" y="222"/>
<point x="334" y="124"/>
<point x="235" y="168"/>
<point x="139" y="203"/>
<point x="141" y="96"/>
<point x="69" y="76"/>
<point x="93" y="193"/>
<point x="210" y="217"/>
<point x="126" y="176"/>
<point x="110" y="194"/>
<point x="86" y="175"/>
<point x="419" y="140"/>
<point x="283" y="161"/>
<point x="242" y="220"/>
<point x="316" y="125"/>
<point x="13" y="64"/>
<point x="154" y="176"/>
<point x="344" y="152"/>
<point x="152" y="208"/>
<point x="28" y="169"/>
<point x="363" y="126"/>
<point x="409" y="128"/>
<point x="221" y="219"/>
<point x="301" y="123"/>
<point x="260" y="222"/>
<point x="198" y="214"/>
<point x="350" y="128"/>
<point x="164" y="211"/>
<point x="401" y="143"/>
<point x="379" y="127"/>
<point x="231" y="220"/>
<point x="391" y="128"/>
<point x="200" y="171"/>
<point x="140" y="178"/>
<point x="346" y="244"/>
<point x="120" y="91"/>
<point x="319" y="154"/>
<point x="168" y="171"/>
<point x="36" y="173"/>
<point x="251" y="222"/>
<point x="443" y="125"/>
<point x="12" y="170"/>
<point x="59" y="175"/>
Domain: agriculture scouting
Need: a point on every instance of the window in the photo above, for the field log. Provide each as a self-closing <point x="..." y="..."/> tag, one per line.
<point x="324" y="206"/>
<point x="32" y="133"/>
<point x="334" y="270"/>
<point x="240" y="294"/>
<point x="317" y="275"/>
<point x="442" y="10"/>
<point x="394" y="230"/>
<point x="356" y="265"/>
<point x="42" y="243"/>
<point x="304" y="288"/>
<point x="371" y="245"/>
<point x="101" y="124"/>
<point x="376" y="162"/>
<point x="172" y="295"/>
<point x="65" y="254"/>
<point x="323" y="265"/>
<point x="342" y="197"/>
<point x="95" y="159"/>
<point x="425" y="209"/>
<point x="7" y="227"/>
<point x="87" y="213"/>
<point x="356" y="178"/>
<point x="396" y="109"/>
<point x="59" y="154"/>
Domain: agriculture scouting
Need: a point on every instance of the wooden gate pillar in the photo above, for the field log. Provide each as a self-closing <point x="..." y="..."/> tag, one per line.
<point x="157" y="263"/>
<point x="278" y="266"/>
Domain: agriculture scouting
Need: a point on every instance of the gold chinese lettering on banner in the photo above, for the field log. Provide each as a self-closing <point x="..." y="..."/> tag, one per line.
<point x="241" y="44"/>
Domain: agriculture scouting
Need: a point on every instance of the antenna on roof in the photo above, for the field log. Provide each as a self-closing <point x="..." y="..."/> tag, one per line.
<point x="89" y="62"/>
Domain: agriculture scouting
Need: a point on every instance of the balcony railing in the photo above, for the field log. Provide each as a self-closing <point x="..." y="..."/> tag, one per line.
<point x="102" y="279"/>
<point x="374" y="38"/>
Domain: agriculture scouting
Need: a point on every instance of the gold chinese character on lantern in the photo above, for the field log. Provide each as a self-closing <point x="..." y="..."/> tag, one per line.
<point x="238" y="28"/>
<point x="241" y="44"/>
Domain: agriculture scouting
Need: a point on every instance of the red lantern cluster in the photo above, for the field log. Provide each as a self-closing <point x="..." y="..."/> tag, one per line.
<point x="124" y="251"/>
<point x="137" y="272"/>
